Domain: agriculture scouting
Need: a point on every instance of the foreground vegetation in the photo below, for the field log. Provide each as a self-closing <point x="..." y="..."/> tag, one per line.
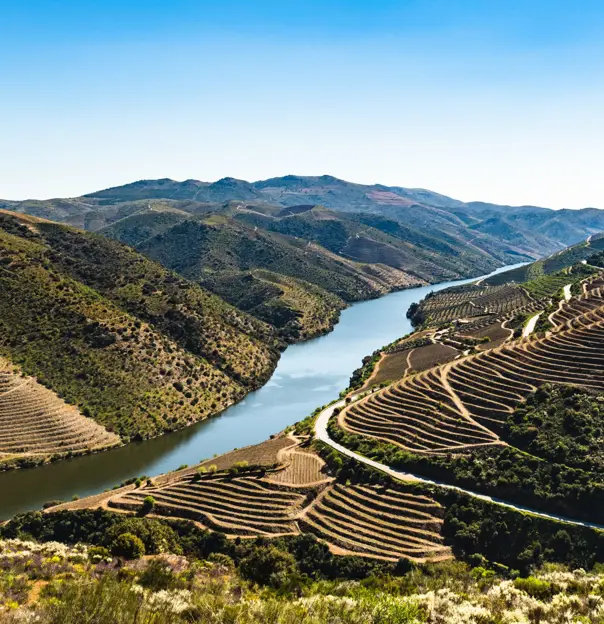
<point x="54" y="583"/>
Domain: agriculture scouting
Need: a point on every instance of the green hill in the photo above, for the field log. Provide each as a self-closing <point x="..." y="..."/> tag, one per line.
<point x="371" y="238"/>
<point x="136" y="347"/>
<point x="297" y="286"/>
<point x="552" y="264"/>
<point x="504" y="232"/>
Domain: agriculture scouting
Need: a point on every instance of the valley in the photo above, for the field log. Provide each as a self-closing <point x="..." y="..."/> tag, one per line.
<point x="476" y="402"/>
<point x="382" y="472"/>
<point x="307" y="375"/>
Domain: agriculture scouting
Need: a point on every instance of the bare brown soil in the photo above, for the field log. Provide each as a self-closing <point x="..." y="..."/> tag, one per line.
<point x="35" y="422"/>
<point x="426" y="357"/>
<point x="304" y="468"/>
<point x="392" y="366"/>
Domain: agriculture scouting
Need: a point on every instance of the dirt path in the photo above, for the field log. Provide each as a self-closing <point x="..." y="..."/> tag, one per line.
<point x="567" y="293"/>
<point x="460" y="405"/>
<point x="530" y="326"/>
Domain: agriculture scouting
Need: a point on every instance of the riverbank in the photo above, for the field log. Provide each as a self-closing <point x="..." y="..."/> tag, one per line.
<point x="308" y="375"/>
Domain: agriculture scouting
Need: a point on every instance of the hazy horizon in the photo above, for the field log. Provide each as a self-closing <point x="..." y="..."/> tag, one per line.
<point x="476" y="100"/>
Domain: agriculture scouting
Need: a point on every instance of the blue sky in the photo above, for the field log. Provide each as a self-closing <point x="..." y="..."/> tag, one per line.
<point x="479" y="99"/>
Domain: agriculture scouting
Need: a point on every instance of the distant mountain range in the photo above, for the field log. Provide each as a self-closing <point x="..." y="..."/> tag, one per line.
<point x="528" y="228"/>
<point x="292" y="251"/>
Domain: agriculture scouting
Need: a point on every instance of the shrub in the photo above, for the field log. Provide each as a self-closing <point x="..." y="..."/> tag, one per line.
<point x="157" y="536"/>
<point x="148" y="505"/>
<point x="98" y="553"/>
<point x="238" y="467"/>
<point x="222" y="560"/>
<point x="535" y="587"/>
<point x="267" y="566"/>
<point x="158" y="575"/>
<point x="128" y="546"/>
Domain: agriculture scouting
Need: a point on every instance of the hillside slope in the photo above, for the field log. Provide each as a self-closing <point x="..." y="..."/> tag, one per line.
<point x="139" y="349"/>
<point x="290" y="283"/>
<point x="487" y="228"/>
<point x="556" y="262"/>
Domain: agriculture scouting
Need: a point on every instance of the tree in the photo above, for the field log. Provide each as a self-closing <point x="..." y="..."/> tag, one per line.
<point x="148" y="505"/>
<point x="128" y="546"/>
<point x="268" y="566"/>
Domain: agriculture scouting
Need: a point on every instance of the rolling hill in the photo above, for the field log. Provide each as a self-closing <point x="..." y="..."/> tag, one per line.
<point x="293" y="284"/>
<point x="580" y="252"/>
<point x="293" y="251"/>
<point x="133" y="346"/>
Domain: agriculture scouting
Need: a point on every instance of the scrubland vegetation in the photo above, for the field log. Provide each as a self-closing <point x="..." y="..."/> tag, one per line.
<point x="136" y="348"/>
<point x="52" y="583"/>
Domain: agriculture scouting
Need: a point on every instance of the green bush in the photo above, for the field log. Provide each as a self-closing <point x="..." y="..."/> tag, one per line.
<point x="98" y="553"/>
<point x="158" y="575"/>
<point x="148" y="505"/>
<point x="128" y="546"/>
<point x="267" y="566"/>
<point x="537" y="588"/>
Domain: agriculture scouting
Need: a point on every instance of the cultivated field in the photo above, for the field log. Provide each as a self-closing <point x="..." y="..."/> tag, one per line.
<point x="426" y="357"/>
<point x="304" y="469"/>
<point x="382" y="523"/>
<point x="392" y="366"/>
<point x="245" y="505"/>
<point x="297" y="496"/>
<point x="471" y="301"/>
<point x="459" y="405"/>
<point x="495" y="331"/>
<point x="35" y="422"/>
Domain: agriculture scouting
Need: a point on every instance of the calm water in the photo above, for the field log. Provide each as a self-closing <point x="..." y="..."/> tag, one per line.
<point x="308" y="375"/>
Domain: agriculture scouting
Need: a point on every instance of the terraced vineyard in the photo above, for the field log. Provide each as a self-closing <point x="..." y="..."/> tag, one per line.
<point x="581" y="310"/>
<point x="35" y="422"/>
<point x="304" y="469"/>
<point x="470" y="301"/>
<point x="297" y="496"/>
<point x="460" y="405"/>
<point x="418" y="414"/>
<point x="495" y="331"/>
<point x="237" y="506"/>
<point x="385" y="524"/>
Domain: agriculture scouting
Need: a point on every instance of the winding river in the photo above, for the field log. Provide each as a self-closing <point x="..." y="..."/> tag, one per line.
<point x="308" y="375"/>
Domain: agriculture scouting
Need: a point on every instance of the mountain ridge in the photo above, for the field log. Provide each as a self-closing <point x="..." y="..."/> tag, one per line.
<point x="545" y="230"/>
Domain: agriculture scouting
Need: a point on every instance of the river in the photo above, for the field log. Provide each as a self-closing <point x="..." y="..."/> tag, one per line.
<point x="309" y="374"/>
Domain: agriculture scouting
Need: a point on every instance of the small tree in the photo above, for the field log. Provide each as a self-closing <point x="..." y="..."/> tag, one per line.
<point x="128" y="546"/>
<point x="148" y="505"/>
<point x="267" y="565"/>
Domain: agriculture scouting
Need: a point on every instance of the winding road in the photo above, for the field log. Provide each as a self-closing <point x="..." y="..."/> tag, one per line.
<point x="322" y="434"/>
